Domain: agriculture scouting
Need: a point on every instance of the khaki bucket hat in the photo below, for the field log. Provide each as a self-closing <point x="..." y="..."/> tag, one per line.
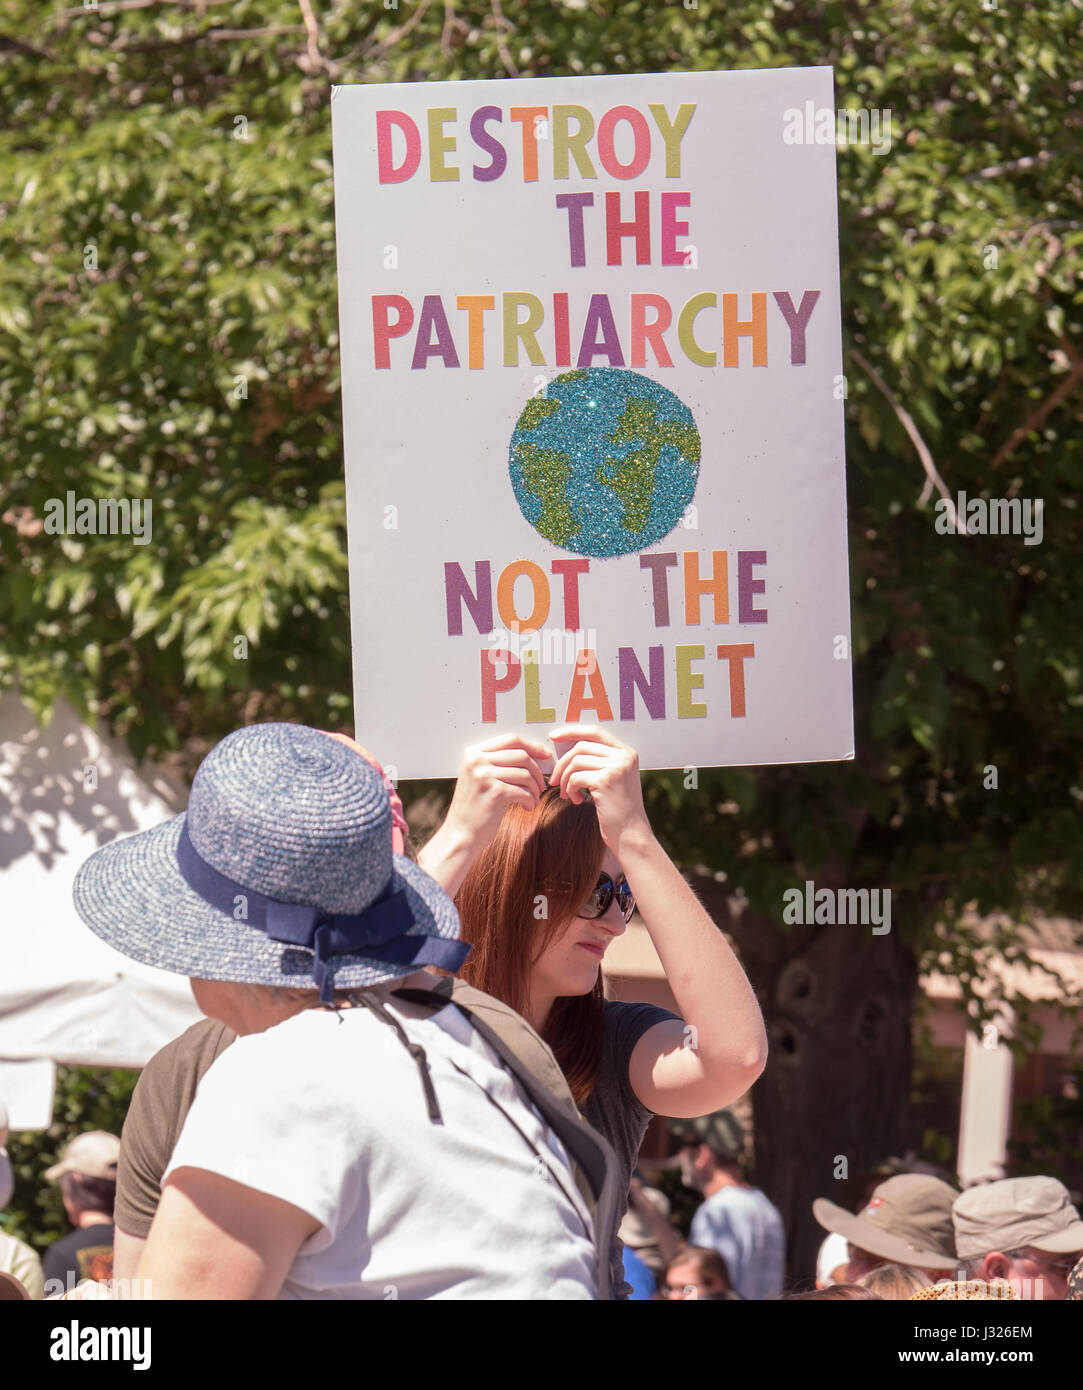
<point x="907" y="1221"/>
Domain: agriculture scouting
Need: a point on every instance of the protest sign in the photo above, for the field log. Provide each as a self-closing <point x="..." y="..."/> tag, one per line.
<point x="593" y="411"/>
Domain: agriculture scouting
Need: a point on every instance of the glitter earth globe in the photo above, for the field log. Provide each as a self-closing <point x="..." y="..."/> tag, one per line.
<point x="605" y="461"/>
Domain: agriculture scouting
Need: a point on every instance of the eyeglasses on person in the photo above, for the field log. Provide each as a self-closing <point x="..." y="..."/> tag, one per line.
<point x="602" y="895"/>
<point x="1063" y="1267"/>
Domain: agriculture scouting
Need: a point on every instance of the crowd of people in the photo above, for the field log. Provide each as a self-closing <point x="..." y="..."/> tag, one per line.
<point x="86" y="1177"/>
<point x="915" y="1238"/>
<point x="409" y="1083"/>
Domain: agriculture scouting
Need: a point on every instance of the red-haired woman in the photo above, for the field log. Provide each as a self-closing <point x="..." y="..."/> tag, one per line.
<point x="550" y="891"/>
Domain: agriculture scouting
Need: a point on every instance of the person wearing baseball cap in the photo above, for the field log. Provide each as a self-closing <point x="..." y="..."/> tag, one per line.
<point x="907" y="1222"/>
<point x="1024" y="1230"/>
<point x="736" y="1219"/>
<point x="87" y="1177"/>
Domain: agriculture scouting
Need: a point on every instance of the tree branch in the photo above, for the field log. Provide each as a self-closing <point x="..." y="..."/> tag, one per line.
<point x="1013" y="166"/>
<point x="992" y="171"/>
<point x="108" y="7"/>
<point x="932" y="476"/>
<point x="445" y="32"/>
<point x="501" y="44"/>
<point x="17" y="46"/>
<point x="314" y="59"/>
<point x="314" y="56"/>
<point x="1038" y="418"/>
<point x="211" y="35"/>
<point x="380" y="47"/>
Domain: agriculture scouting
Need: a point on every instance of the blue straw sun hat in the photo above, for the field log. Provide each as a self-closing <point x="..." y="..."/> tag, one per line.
<point x="280" y="872"/>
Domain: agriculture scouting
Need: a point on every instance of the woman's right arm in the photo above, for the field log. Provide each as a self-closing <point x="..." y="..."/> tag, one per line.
<point x="215" y="1238"/>
<point x="499" y="773"/>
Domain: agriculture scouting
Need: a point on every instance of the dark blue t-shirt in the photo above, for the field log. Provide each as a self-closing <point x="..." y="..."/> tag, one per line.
<point x="614" y="1109"/>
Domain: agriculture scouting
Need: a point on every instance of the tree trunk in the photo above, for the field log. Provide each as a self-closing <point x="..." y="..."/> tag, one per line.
<point x="833" y="1098"/>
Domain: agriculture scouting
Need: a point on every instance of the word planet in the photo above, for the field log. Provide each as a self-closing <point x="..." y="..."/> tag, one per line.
<point x="604" y="462"/>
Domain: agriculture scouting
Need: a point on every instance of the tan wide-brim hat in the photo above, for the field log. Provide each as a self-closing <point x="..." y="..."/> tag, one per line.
<point x="907" y="1221"/>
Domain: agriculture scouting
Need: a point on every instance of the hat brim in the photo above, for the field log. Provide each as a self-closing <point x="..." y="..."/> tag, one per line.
<point x="875" y="1239"/>
<point x="1065" y="1242"/>
<point x="132" y="895"/>
<point x="682" y="1129"/>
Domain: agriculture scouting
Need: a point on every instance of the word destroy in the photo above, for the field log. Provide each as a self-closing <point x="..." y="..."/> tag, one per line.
<point x="567" y="130"/>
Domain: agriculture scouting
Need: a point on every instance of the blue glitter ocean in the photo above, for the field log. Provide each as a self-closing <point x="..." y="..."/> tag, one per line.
<point x="605" y="462"/>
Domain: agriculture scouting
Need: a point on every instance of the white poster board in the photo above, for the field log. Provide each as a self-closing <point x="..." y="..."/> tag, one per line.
<point x="593" y="411"/>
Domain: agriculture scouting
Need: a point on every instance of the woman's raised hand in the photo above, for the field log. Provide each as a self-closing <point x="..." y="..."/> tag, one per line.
<point x="504" y="771"/>
<point x="593" y="760"/>
<point x="508" y="770"/>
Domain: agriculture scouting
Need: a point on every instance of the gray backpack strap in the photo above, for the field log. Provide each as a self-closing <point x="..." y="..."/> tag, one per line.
<point x="584" y="1145"/>
<point x="530" y="1049"/>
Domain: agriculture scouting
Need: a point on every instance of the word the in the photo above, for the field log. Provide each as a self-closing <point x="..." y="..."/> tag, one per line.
<point x="822" y="127"/>
<point x="997" y="516"/>
<point x="848" y="906"/>
<point x="637" y="228"/>
<point x="695" y="586"/>
<point x="109" y="516"/>
<point x="525" y="328"/>
<point x="75" y="1343"/>
<point x="536" y="124"/>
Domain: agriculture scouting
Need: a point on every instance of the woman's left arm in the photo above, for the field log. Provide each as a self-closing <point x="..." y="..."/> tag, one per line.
<point x="714" y="1056"/>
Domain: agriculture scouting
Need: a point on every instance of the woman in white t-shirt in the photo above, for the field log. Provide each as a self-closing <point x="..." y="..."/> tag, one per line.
<point x="344" y="1146"/>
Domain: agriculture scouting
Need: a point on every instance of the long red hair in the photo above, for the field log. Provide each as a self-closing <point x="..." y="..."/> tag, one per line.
<point x="519" y="893"/>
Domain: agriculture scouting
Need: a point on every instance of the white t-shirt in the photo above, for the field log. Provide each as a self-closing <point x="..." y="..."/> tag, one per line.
<point x="834" y="1251"/>
<point x="328" y="1112"/>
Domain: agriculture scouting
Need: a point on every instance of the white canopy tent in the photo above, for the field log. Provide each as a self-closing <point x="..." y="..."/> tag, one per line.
<point x="64" y="995"/>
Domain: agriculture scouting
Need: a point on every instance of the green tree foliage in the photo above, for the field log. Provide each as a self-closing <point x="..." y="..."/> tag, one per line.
<point x="86" y="1098"/>
<point x="168" y="329"/>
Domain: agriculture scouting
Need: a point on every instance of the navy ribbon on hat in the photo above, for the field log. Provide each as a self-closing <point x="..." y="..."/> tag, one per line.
<point x="378" y="933"/>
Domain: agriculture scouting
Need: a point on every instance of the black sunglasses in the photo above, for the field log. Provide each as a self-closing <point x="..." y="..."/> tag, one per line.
<point x="602" y="895"/>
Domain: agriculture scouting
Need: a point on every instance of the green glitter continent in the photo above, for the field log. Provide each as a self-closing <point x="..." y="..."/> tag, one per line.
<point x="632" y="478"/>
<point x="535" y="411"/>
<point x="546" y="473"/>
<point x="576" y="374"/>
